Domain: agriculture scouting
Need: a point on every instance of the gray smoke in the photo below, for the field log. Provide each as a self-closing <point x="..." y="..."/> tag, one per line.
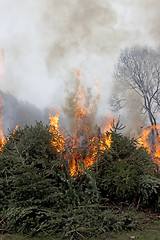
<point x="132" y="117"/>
<point x="148" y="15"/>
<point x="78" y="26"/>
<point x="20" y="113"/>
<point x="45" y="39"/>
<point x="80" y="103"/>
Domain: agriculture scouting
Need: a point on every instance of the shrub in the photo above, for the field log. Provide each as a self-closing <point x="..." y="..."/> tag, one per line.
<point x="149" y="190"/>
<point x="120" y="170"/>
<point x="120" y="181"/>
<point x="37" y="193"/>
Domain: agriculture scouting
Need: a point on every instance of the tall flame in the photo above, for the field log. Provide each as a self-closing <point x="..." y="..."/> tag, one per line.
<point x="58" y="141"/>
<point x="144" y="140"/>
<point x="87" y="142"/>
<point x="2" y="138"/>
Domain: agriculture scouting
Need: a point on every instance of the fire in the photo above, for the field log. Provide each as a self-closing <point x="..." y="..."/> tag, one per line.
<point x="106" y="129"/>
<point x="15" y="129"/>
<point x="87" y="142"/>
<point x="58" y="141"/>
<point x="2" y="138"/>
<point x="145" y="141"/>
<point x="83" y="148"/>
<point x="2" y="143"/>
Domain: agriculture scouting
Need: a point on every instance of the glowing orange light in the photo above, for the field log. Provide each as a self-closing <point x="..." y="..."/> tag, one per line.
<point x="2" y="138"/>
<point x="15" y="129"/>
<point x="58" y="140"/>
<point x="144" y="141"/>
<point x="86" y="145"/>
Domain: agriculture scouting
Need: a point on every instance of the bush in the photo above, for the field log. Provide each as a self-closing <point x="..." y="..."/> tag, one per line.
<point x="149" y="190"/>
<point x="30" y="169"/>
<point x="31" y="178"/>
<point x="37" y="193"/>
<point x="120" y="181"/>
<point x="121" y="168"/>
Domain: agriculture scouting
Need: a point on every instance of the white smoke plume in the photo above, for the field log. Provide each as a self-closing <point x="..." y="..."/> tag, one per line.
<point x="44" y="39"/>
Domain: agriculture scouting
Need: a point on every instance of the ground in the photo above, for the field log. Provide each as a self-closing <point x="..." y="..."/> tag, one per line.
<point x="148" y="231"/>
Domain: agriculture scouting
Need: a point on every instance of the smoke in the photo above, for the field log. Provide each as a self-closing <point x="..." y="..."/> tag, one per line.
<point x="80" y="107"/>
<point x="45" y="39"/>
<point x="148" y="15"/>
<point x="79" y="26"/>
<point x="20" y="113"/>
<point x="132" y="117"/>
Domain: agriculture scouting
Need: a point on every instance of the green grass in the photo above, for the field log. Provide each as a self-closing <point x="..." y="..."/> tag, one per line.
<point x="149" y="231"/>
<point x="19" y="237"/>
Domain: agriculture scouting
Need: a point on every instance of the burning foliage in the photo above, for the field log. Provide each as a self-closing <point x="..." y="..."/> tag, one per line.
<point x="58" y="141"/>
<point x="83" y="148"/>
<point x="38" y="193"/>
<point x="87" y="142"/>
<point x="66" y="183"/>
<point x="150" y="139"/>
<point x="2" y="138"/>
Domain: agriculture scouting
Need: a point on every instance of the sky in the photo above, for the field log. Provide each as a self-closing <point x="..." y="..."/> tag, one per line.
<point x="46" y="41"/>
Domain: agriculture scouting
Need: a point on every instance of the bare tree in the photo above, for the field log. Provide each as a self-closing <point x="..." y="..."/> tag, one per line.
<point x="138" y="71"/>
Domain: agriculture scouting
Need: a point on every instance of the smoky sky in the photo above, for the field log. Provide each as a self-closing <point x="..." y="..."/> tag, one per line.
<point x="46" y="40"/>
<point x="20" y="113"/>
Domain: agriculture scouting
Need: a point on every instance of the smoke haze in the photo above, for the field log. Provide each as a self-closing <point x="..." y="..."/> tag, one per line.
<point x="20" y="113"/>
<point x="46" y="40"/>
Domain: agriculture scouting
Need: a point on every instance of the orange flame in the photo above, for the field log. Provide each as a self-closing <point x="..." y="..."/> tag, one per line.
<point x="15" y="129"/>
<point x="58" y="141"/>
<point x="2" y="138"/>
<point x="143" y="139"/>
<point x="87" y="142"/>
<point x="2" y="143"/>
<point x="145" y="142"/>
